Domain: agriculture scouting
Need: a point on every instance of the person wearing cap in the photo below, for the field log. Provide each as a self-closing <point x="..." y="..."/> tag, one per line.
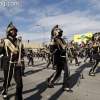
<point x="58" y="48"/>
<point x="10" y="68"/>
<point x="30" y="56"/>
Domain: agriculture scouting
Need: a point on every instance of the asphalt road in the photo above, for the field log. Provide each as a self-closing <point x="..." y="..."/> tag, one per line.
<point x="84" y="87"/>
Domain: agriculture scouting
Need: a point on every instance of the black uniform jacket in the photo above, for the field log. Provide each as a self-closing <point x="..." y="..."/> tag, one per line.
<point x="60" y="54"/>
<point x="96" y="52"/>
<point x="6" y="60"/>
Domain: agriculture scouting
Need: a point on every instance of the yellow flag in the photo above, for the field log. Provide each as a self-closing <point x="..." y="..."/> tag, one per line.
<point x="82" y="37"/>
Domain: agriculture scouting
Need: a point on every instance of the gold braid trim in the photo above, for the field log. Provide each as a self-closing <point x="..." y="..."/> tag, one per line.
<point x="59" y="42"/>
<point x="63" y="56"/>
<point x="10" y="46"/>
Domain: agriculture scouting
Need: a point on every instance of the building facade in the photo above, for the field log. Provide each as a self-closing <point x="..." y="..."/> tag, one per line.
<point x="32" y="45"/>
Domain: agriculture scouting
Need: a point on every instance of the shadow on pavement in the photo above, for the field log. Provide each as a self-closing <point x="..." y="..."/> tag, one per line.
<point x="40" y="64"/>
<point x="38" y="60"/>
<point x="40" y="88"/>
<point x="37" y="96"/>
<point x="98" y="69"/>
<point x="79" y="74"/>
<point x="56" y="95"/>
<point x="73" y="80"/>
<point x="32" y="71"/>
<point x="1" y="79"/>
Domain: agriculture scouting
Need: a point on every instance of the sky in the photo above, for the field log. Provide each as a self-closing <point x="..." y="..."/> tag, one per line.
<point x="72" y="16"/>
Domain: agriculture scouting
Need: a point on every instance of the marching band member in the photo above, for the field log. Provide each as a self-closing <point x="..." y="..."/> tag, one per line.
<point x="96" y="52"/>
<point x="30" y="56"/>
<point x="10" y="52"/>
<point x="60" y="58"/>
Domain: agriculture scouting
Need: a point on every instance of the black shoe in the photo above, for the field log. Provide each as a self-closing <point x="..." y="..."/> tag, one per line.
<point x="67" y="89"/>
<point x="48" y="83"/>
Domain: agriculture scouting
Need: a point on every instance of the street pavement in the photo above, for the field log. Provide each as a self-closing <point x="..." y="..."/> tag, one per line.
<point x="84" y="87"/>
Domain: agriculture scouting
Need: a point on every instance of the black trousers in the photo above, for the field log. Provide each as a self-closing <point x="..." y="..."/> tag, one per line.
<point x="53" y="62"/>
<point x="0" y="64"/>
<point x="48" y="64"/>
<point x="61" y="65"/>
<point x="49" y="61"/>
<point x="23" y="67"/>
<point x="18" y="80"/>
<point x="96" y="62"/>
<point x="31" y="60"/>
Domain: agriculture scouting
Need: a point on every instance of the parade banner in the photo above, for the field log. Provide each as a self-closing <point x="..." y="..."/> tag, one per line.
<point x="82" y="37"/>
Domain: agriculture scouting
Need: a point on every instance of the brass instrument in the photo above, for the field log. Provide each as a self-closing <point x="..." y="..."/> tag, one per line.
<point x="19" y="43"/>
<point x="96" y="36"/>
<point x="8" y="44"/>
<point x="65" y="41"/>
<point x="10" y="62"/>
<point x="68" y="50"/>
<point x="60" y="43"/>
